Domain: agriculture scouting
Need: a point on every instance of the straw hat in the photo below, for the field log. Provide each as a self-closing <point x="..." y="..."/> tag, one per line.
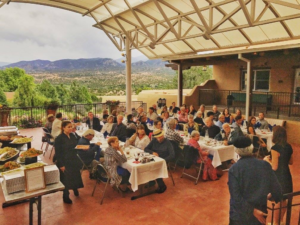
<point x="50" y="115"/>
<point x="158" y="133"/>
<point x="243" y="146"/>
<point x="88" y="132"/>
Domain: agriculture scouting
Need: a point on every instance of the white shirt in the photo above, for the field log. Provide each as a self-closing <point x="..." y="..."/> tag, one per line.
<point x="107" y="127"/>
<point x="56" y="128"/>
<point x="152" y="116"/>
<point x="141" y="143"/>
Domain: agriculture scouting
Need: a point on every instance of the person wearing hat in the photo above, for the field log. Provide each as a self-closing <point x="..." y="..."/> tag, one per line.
<point x="171" y="134"/>
<point x="88" y="155"/>
<point x="50" y="119"/>
<point x="251" y="183"/>
<point x="160" y="146"/>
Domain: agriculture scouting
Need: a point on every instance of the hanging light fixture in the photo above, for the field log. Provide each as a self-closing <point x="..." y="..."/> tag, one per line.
<point x="204" y="68"/>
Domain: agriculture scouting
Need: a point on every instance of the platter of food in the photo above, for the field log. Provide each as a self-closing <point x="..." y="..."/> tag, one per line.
<point x="8" y="154"/>
<point x="22" y="140"/>
<point x="8" y="166"/>
<point x="29" y="156"/>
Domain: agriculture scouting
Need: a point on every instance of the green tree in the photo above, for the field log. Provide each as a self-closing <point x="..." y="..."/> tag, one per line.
<point x="46" y="89"/>
<point x="25" y="94"/>
<point x="11" y="78"/>
<point x="3" y="100"/>
<point x="79" y="94"/>
<point x="63" y="94"/>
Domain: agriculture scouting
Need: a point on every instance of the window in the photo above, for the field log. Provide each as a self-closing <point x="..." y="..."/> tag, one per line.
<point x="260" y="80"/>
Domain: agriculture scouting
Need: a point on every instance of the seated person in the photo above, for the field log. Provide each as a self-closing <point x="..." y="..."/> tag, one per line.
<point x="216" y="112"/>
<point x="160" y="146"/>
<point x="144" y="122"/>
<point x="237" y="125"/>
<point x="192" y="110"/>
<point x="157" y="125"/>
<point x="164" y="109"/>
<point x="227" y="135"/>
<point x="166" y="117"/>
<point x="93" y="122"/>
<point x="139" y="139"/>
<point x="208" y="169"/>
<point x="210" y="114"/>
<point x="221" y="121"/>
<point x="199" y="119"/>
<point x="151" y="114"/>
<point x="154" y="108"/>
<point x="108" y="126"/>
<point x="48" y="125"/>
<point x="56" y="125"/>
<point x="113" y="157"/>
<point x="104" y="116"/>
<point x="114" y="113"/>
<point x="238" y="112"/>
<point x="251" y="130"/>
<point x="190" y="125"/>
<point x="134" y="112"/>
<point x="140" y="113"/>
<point x="119" y="129"/>
<point x="171" y="134"/>
<point x="183" y="117"/>
<point x="202" y="111"/>
<point x="210" y="128"/>
<point x="263" y="123"/>
<point x="228" y="117"/>
<point x="130" y="123"/>
<point x="90" y="156"/>
<point x="174" y="109"/>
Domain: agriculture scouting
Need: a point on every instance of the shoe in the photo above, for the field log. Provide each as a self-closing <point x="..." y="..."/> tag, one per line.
<point x="67" y="200"/>
<point x="76" y="193"/>
<point x="161" y="190"/>
<point x="92" y="176"/>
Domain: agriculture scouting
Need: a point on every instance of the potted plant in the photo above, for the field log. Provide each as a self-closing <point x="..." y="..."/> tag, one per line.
<point x="4" y="112"/>
<point x="51" y="106"/>
<point x="112" y="104"/>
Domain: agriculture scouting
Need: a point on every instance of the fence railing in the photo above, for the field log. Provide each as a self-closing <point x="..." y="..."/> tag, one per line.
<point x="275" y="104"/>
<point x="26" y="117"/>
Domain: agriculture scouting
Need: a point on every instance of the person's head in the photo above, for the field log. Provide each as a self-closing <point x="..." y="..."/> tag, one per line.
<point x="143" y="119"/>
<point x="66" y="127"/>
<point x="199" y="114"/>
<point x="166" y="114"/>
<point x="210" y="114"/>
<point x="129" y="118"/>
<point x="140" y="110"/>
<point x="90" y="115"/>
<point x="110" y="119"/>
<point x="184" y="105"/>
<point x="208" y="122"/>
<point x="221" y="118"/>
<point x="279" y="135"/>
<point x="202" y="108"/>
<point x="173" y="104"/>
<point x="58" y="116"/>
<point x="215" y="108"/>
<point x="157" y="124"/>
<point x="74" y="127"/>
<point x="195" y="135"/>
<point x="165" y="108"/>
<point x="192" y="108"/>
<point x="252" y="121"/>
<point x="243" y="146"/>
<point x="105" y="112"/>
<point x="154" y="106"/>
<point x="226" y="128"/>
<point x="159" y="135"/>
<point x="114" y="113"/>
<point x="89" y="134"/>
<point x="225" y="112"/>
<point x="182" y="110"/>
<point x="238" y="112"/>
<point x="140" y="130"/>
<point x="239" y="120"/>
<point x="119" y="119"/>
<point x="190" y="118"/>
<point x="172" y="124"/>
<point x="151" y="110"/>
<point x="261" y="115"/>
<point x="50" y="117"/>
<point x="113" y="142"/>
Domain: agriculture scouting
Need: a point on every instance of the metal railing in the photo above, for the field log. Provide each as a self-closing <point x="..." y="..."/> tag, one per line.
<point x="275" y="104"/>
<point x="26" y="117"/>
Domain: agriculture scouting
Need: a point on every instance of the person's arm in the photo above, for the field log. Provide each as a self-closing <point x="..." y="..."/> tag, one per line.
<point x="275" y="159"/>
<point x="59" y="152"/>
<point x="132" y="139"/>
<point x="149" y="147"/>
<point x="251" y="130"/>
<point x="120" y="158"/>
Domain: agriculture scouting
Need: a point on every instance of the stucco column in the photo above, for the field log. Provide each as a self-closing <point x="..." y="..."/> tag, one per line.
<point x="128" y="76"/>
<point x="180" y="85"/>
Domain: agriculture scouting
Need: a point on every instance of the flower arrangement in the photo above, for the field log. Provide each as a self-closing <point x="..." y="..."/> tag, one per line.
<point x="4" y="108"/>
<point x="30" y="123"/>
<point x="112" y="102"/>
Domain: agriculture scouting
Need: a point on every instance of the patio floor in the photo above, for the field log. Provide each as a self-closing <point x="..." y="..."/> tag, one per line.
<point x="184" y="203"/>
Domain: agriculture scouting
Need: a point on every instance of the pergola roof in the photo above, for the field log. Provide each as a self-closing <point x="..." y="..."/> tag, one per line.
<point x="175" y="29"/>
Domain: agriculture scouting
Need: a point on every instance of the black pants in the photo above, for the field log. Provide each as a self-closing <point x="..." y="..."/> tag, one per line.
<point x="160" y="182"/>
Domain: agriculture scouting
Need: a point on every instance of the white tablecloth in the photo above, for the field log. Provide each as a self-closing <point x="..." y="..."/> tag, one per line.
<point x="221" y="153"/>
<point x="266" y="135"/>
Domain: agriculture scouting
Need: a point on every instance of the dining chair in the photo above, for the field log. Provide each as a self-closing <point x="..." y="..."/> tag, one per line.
<point x="44" y="137"/>
<point x="178" y="154"/>
<point x="84" y="166"/>
<point x="50" y="142"/>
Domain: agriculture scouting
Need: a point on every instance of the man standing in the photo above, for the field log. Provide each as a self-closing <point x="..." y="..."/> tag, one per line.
<point x="212" y="129"/>
<point x="251" y="182"/>
<point x="159" y="146"/>
<point x="119" y="129"/>
<point x="56" y="125"/>
<point x="93" y="122"/>
<point x="263" y="123"/>
<point x="216" y="112"/>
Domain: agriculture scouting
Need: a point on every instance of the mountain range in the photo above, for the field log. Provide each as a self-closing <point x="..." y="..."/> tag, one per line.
<point x="92" y="64"/>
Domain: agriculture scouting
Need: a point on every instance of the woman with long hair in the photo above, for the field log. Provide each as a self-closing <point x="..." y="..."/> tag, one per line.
<point x="67" y="161"/>
<point x="139" y="139"/>
<point x="282" y="157"/>
<point x="228" y="117"/>
<point x="192" y="110"/>
<point x="251" y="130"/>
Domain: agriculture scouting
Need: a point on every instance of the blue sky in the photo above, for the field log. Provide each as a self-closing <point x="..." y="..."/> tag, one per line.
<point x="29" y="32"/>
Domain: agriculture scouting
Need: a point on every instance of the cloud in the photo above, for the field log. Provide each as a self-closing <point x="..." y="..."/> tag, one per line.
<point x="29" y="32"/>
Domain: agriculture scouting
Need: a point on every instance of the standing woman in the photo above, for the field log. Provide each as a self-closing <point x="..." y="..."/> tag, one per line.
<point x="282" y="157"/>
<point x="67" y="161"/>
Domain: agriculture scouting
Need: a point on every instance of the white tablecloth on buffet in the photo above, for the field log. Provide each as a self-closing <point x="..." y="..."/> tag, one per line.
<point x="220" y="153"/>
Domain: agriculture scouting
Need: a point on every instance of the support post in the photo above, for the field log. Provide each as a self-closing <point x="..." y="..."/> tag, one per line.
<point x="249" y="87"/>
<point x="180" y="85"/>
<point x="128" y="76"/>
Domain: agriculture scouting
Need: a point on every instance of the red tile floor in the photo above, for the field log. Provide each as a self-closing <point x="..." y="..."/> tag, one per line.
<point x="184" y="203"/>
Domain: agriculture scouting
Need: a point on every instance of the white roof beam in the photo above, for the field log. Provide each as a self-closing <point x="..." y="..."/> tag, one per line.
<point x="246" y="13"/>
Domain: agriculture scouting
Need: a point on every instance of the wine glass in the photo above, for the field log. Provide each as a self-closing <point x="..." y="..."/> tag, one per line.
<point x="136" y="157"/>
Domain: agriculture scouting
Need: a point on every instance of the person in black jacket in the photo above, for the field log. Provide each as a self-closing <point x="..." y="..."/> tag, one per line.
<point x="93" y="122"/>
<point x="119" y="129"/>
<point x="212" y="129"/>
<point x="143" y="122"/>
<point x="67" y="161"/>
<point x="88" y="156"/>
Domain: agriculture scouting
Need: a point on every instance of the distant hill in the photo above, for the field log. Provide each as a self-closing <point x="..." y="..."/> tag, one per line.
<point x="94" y="64"/>
<point x="4" y="63"/>
<point x="133" y="59"/>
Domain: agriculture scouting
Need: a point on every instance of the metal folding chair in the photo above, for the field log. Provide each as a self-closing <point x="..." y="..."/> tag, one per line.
<point x="44" y="138"/>
<point x="178" y="154"/>
<point x="170" y="172"/>
<point x="191" y="155"/>
<point x="84" y="166"/>
<point x="104" y="177"/>
<point x="49" y="142"/>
